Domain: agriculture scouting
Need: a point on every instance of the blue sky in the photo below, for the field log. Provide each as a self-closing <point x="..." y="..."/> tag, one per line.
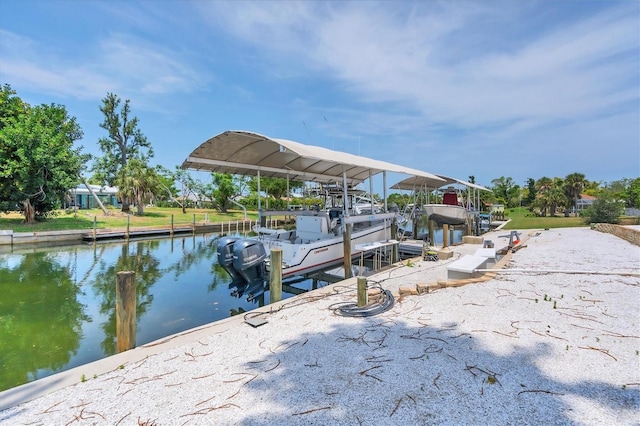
<point x="485" y="88"/>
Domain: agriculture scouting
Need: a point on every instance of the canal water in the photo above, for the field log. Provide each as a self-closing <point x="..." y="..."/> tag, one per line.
<point x="57" y="304"/>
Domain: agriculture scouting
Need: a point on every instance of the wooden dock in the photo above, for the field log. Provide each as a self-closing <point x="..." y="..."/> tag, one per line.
<point x="119" y="234"/>
<point x="230" y="227"/>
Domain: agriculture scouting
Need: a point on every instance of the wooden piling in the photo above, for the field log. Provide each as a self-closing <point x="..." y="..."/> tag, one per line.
<point x="432" y="232"/>
<point x="125" y="310"/>
<point x="95" y="225"/>
<point x="362" y="291"/>
<point x="445" y="235"/>
<point x="275" y="279"/>
<point x="346" y="243"/>
<point x="394" y="229"/>
<point x="126" y="236"/>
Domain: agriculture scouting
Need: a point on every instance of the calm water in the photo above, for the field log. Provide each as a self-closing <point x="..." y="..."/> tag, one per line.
<point x="57" y="305"/>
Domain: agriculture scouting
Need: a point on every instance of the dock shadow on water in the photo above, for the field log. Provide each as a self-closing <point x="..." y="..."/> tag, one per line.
<point x="58" y="304"/>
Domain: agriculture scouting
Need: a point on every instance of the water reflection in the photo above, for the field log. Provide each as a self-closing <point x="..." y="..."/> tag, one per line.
<point x="139" y="258"/>
<point x="40" y="316"/>
<point x="57" y="304"/>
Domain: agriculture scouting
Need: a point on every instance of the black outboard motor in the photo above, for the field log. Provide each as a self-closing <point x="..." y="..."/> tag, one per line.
<point x="225" y="259"/>
<point x="248" y="260"/>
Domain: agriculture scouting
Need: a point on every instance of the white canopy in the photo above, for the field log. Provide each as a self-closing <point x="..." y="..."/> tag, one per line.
<point x="244" y="153"/>
<point x="418" y="182"/>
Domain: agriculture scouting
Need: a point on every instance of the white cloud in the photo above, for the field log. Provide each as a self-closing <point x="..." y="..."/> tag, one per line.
<point x="422" y="56"/>
<point x="120" y="63"/>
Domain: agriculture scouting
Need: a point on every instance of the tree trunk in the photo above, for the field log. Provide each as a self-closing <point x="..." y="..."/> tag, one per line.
<point x="140" y="206"/>
<point x="29" y="212"/>
<point x="125" y="205"/>
<point x="95" y="197"/>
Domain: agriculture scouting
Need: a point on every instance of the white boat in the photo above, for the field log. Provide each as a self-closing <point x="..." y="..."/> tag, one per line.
<point x="446" y="214"/>
<point x="318" y="238"/>
<point x="451" y="210"/>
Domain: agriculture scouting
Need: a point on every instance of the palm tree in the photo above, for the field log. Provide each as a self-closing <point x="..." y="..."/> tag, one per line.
<point x="555" y="198"/>
<point x="573" y="186"/>
<point x="138" y="182"/>
<point x="543" y="186"/>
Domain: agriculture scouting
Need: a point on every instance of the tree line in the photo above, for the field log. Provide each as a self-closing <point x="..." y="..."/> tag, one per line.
<point x="40" y="165"/>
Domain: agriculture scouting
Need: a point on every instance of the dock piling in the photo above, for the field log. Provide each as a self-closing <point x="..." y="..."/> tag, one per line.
<point x="275" y="283"/>
<point x="445" y="235"/>
<point x="346" y="242"/>
<point x="362" y="291"/>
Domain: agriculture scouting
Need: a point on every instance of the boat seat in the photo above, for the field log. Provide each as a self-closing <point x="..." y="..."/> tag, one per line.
<point x="450" y="199"/>
<point x="465" y="267"/>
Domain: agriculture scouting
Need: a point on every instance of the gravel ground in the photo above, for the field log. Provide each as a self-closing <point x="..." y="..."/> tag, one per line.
<point x="559" y="344"/>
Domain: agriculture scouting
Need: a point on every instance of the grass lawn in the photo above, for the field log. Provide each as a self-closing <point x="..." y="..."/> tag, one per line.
<point x="153" y="216"/>
<point x="521" y="218"/>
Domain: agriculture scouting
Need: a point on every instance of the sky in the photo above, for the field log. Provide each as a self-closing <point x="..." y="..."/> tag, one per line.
<point x="490" y="89"/>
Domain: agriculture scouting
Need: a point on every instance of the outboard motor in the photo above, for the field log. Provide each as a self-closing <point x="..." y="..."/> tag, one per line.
<point x="225" y="259"/>
<point x="248" y="260"/>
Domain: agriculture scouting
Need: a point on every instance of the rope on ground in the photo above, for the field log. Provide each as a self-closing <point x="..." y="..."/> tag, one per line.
<point x="384" y="303"/>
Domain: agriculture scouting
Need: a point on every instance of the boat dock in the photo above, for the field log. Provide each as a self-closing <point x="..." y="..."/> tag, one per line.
<point x="120" y="234"/>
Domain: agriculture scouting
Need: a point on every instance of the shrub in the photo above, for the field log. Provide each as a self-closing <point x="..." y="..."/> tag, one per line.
<point x="604" y="210"/>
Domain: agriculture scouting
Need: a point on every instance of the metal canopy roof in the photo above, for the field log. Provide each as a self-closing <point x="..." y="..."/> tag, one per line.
<point x="417" y="182"/>
<point x="244" y="153"/>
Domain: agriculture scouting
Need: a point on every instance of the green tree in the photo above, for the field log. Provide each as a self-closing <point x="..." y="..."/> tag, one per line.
<point x="11" y="106"/>
<point x="187" y="184"/>
<point x="506" y="191"/>
<point x="125" y="141"/>
<point x="167" y="185"/>
<point x="39" y="162"/>
<point x="139" y="183"/>
<point x="531" y="192"/>
<point x="632" y="193"/>
<point x="400" y="200"/>
<point x="220" y="190"/>
<point x="606" y="209"/>
<point x="573" y="186"/>
<point x="542" y="202"/>
<point x="275" y="187"/>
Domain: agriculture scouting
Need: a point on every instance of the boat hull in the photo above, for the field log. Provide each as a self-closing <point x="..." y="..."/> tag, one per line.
<point x="446" y="214"/>
<point x="313" y="256"/>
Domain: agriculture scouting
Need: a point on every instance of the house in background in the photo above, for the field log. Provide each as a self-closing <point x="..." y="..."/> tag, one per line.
<point x="82" y="198"/>
<point x="584" y="202"/>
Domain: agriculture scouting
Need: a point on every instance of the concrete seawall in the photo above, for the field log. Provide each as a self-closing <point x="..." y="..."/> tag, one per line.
<point x="8" y="237"/>
<point x="625" y="232"/>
